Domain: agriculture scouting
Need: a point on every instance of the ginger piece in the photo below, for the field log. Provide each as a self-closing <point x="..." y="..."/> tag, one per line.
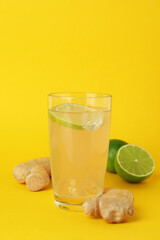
<point x="38" y="179"/>
<point x="114" y="205"/>
<point x="35" y="173"/>
<point x="91" y="207"/>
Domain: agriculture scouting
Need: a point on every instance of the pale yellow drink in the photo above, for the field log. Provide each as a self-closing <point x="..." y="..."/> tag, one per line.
<point x="79" y="150"/>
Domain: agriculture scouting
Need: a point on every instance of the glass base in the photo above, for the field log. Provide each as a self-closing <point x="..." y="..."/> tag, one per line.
<point x="69" y="207"/>
<point x="71" y="204"/>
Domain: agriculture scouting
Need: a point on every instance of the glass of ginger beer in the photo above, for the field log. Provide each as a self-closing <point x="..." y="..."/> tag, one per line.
<point x="79" y="126"/>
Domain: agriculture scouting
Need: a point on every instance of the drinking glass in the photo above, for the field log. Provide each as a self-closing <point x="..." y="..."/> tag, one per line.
<point x="79" y="125"/>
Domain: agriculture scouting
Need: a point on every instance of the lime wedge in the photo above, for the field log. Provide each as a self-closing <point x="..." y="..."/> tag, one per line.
<point x="77" y="116"/>
<point x="133" y="163"/>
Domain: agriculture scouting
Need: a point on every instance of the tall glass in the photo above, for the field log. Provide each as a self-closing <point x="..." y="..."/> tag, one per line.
<point x="79" y="125"/>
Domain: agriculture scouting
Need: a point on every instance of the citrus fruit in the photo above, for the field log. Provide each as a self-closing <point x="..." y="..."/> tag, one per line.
<point x="134" y="163"/>
<point x="77" y="116"/>
<point x="114" y="145"/>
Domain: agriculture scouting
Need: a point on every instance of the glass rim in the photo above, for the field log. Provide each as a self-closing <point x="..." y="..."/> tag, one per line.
<point x="62" y="95"/>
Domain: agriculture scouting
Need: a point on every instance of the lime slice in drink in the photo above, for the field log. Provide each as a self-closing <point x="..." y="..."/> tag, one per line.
<point x="133" y="163"/>
<point x="77" y="116"/>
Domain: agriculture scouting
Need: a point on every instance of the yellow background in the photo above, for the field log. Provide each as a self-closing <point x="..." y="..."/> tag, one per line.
<point x="94" y="46"/>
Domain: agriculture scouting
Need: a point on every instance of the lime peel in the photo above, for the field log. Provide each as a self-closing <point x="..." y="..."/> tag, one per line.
<point x="64" y="123"/>
<point x="114" y="146"/>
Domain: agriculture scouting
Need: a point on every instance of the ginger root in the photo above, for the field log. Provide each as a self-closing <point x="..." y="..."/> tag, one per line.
<point x="91" y="207"/>
<point x="34" y="173"/>
<point x="114" y="205"/>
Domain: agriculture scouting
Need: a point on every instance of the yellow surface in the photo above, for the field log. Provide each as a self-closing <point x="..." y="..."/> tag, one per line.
<point x="94" y="46"/>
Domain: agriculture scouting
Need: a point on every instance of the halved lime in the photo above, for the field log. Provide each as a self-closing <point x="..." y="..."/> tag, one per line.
<point x="77" y="116"/>
<point x="134" y="163"/>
